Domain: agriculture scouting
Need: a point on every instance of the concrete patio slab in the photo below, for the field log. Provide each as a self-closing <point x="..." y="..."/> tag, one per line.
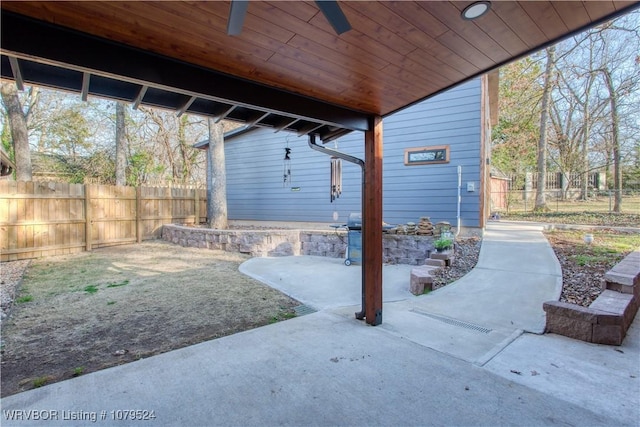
<point x="317" y="370"/>
<point x="322" y="282"/>
<point x="601" y="377"/>
<point x="454" y="357"/>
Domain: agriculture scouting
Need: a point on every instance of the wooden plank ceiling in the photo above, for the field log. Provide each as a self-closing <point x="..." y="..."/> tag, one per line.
<point x="396" y="54"/>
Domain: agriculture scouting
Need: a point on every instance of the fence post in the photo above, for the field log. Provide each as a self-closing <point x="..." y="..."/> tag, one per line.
<point x="139" y="214"/>
<point x="197" y="206"/>
<point x="87" y="217"/>
<point x="528" y="188"/>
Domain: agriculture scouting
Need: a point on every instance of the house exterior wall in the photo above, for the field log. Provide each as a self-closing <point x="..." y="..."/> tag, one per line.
<point x="255" y="167"/>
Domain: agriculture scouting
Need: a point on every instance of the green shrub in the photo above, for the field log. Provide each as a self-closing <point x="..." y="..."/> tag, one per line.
<point x="442" y="243"/>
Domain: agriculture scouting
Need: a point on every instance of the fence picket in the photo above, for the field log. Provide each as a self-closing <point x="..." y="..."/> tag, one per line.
<point x="49" y="218"/>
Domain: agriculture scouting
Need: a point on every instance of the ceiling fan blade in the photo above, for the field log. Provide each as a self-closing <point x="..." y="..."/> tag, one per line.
<point x="237" y="13"/>
<point x="334" y="15"/>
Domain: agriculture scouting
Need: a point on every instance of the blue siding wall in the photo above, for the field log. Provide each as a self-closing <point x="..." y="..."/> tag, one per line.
<point x="255" y="188"/>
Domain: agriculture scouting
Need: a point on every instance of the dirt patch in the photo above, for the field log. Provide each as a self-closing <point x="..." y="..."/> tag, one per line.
<point x="584" y="265"/>
<point x="85" y="312"/>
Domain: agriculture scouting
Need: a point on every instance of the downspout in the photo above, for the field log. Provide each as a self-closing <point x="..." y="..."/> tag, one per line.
<point x="351" y="159"/>
<point x="459" y="200"/>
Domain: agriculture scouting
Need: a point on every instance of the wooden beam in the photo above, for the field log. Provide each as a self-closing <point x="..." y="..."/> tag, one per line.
<point x="256" y="119"/>
<point x="138" y="100"/>
<point x="185" y="106"/>
<point x="333" y="134"/>
<point x="309" y="128"/>
<point x="55" y="45"/>
<point x="225" y="114"/>
<point x="285" y="124"/>
<point x="84" y="93"/>
<point x="372" y="221"/>
<point x="17" y="73"/>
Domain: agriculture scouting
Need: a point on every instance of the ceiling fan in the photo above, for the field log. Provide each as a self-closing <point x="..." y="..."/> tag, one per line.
<point x="329" y="8"/>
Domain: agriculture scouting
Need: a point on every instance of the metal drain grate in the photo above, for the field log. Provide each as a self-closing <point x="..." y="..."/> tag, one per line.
<point x="454" y="322"/>
<point x="302" y="310"/>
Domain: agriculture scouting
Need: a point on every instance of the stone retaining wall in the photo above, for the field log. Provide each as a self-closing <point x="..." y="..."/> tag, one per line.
<point x="608" y="318"/>
<point x="256" y="243"/>
<point x="397" y="249"/>
<point x="403" y="249"/>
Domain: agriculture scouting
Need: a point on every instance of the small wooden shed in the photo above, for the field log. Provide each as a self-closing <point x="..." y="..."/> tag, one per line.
<point x="499" y="188"/>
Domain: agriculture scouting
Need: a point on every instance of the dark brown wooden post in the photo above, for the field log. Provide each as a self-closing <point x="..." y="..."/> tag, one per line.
<point x="372" y="222"/>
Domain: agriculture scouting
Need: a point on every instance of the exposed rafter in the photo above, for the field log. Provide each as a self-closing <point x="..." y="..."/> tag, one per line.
<point x="139" y="96"/>
<point x="308" y="129"/>
<point x="84" y="93"/>
<point x="17" y="74"/>
<point x="285" y="124"/>
<point x="48" y="44"/>
<point x="257" y="118"/>
<point x="225" y="114"/>
<point x="185" y="106"/>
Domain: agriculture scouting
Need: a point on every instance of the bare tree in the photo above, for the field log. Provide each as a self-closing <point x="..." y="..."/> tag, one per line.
<point x="541" y="203"/>
<point x="173" y="138"/>
<point x="579" y="79"/>
<point x="121" y="145"/>
<point x="580" y="132"/>
<point x="216" y="177"/>
<point x="19" y="133"/>
<point x="615" y="139"/>
<point x="622" y="79"/>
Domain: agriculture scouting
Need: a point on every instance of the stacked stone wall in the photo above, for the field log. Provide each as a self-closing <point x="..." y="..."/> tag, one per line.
<point x="257" y="243"/>
<point x="406" y="249"/>
<point x="330" y="244"/>
<point x="397" y="249"/>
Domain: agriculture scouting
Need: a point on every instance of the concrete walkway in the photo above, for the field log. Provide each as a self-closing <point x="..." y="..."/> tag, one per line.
<point x="327" y="368"/>
<point x="472" y="319"/>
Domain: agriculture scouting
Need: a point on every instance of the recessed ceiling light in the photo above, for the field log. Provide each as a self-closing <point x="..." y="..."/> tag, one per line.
<point x="476" y="10"/>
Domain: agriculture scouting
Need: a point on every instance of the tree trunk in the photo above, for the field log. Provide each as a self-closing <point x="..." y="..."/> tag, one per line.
<point x="541" y="203"/>
<point x="121" y="145"/>
<point x="586" y="133"/>
<point x="216" y="178"/>
<point x="19" y="134"/>
<point x="615" y="140"/>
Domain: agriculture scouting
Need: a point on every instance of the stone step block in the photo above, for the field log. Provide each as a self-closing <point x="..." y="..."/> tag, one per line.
<point x="421" y="279"/>
<point x="446" y="256"/>
<point x="435" y="262"/>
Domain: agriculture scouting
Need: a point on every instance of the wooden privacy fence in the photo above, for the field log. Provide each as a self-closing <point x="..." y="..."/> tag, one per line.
<point x="54" y="218"/>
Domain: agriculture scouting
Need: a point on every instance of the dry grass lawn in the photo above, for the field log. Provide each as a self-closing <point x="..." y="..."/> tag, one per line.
<point x="80" y="313"/>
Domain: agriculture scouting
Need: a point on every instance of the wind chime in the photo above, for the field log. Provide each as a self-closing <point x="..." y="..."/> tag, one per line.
<point x="336" y="178"/>
<point x="287" y="165"/>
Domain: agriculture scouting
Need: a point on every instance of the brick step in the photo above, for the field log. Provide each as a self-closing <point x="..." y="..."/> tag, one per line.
<point x="608" y="318"/>
<point x="421" y="279"/>
<point x="446" y="256"/>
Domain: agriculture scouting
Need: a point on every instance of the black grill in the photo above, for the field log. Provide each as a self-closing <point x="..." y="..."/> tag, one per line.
<point x="355" y="221"/>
